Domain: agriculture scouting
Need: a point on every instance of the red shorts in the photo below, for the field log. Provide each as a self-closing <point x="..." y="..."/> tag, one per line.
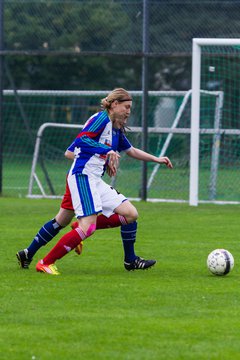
<point x="67" y="199"/>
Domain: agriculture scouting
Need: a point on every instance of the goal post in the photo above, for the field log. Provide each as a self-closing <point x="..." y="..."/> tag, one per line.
<point x="36" y="156"/>
<point x="215" y="64"/>
<point x="34" y="176"/>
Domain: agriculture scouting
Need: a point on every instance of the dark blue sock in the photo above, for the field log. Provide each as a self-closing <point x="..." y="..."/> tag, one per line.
<point x="128" y="233"/>
<point x="45" y="234"/>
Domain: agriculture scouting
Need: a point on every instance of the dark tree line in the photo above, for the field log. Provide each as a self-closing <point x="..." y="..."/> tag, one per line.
<point x="100" y="42"/>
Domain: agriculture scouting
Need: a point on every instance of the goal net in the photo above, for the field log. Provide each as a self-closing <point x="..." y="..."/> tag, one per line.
<point x="169" y="115"/>
<point x="215" y="145"/>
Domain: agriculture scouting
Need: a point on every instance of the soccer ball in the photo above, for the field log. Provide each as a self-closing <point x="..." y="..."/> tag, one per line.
<point x="220" y="262"/>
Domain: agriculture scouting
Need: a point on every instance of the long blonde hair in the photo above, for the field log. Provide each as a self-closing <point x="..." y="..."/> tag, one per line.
<point x="118" y="94"/>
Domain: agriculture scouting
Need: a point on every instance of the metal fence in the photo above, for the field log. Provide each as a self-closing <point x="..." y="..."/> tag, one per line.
<point x="92" y="45"/>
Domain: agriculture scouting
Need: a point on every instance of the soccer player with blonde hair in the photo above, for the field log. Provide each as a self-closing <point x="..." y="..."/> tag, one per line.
<point x="96" y="204"/>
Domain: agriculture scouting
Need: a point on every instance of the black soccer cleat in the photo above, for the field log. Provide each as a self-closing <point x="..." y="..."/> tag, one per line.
<point x="139" y="264"/>
<point x="23" y="259"/>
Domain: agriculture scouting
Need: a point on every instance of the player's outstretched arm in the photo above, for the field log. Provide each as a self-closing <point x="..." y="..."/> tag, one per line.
<point x="144" y="156"/>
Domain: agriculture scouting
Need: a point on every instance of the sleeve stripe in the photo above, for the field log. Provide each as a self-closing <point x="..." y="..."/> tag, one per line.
<point x="93" y="143"/>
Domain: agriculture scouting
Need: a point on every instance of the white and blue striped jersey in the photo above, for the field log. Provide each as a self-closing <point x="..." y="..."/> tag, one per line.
<point x="93" y="143"/>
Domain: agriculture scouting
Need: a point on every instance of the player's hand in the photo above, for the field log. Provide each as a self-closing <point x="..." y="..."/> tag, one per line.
<point x="109" y="171"/>
<point x="113" y="162"/>
<point x="165" y="160"/>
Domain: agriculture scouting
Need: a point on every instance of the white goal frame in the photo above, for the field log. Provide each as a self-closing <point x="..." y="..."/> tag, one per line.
<point x="34" y="176"/>
<point x="197" y="43"/>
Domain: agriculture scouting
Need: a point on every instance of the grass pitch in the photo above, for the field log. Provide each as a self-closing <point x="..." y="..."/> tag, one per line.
<point x="97" y="310"/>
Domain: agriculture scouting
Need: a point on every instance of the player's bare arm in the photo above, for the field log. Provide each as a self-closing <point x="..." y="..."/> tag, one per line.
<point x="144" y="156"/>
<point x="69" y="155"/>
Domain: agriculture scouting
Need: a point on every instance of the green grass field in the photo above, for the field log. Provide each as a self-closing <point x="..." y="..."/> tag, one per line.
<point x="97" y="310"/>
<point x="166" y="184"/>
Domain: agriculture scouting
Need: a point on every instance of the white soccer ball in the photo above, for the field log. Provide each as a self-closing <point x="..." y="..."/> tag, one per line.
<point x="220" y="262"/>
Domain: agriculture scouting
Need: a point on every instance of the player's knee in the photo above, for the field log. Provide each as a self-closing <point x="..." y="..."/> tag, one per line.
<point x="132" y="215"/>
